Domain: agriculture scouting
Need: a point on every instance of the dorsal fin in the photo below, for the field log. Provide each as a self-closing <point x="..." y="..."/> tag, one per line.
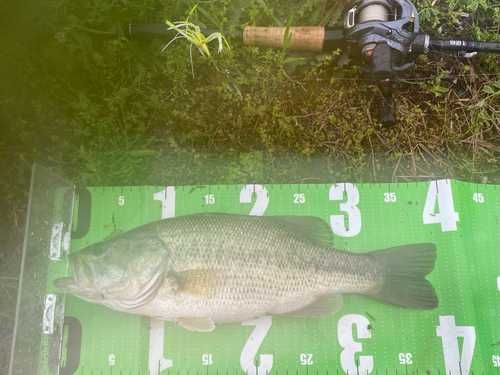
<point x="311" y="227"/>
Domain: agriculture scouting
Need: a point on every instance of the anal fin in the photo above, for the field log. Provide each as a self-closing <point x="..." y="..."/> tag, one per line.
<point x="325" y="305"/>
<point x="196" y="324"/>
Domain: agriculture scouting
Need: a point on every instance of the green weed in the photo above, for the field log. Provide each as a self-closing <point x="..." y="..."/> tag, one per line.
<point x="80" y="98"/>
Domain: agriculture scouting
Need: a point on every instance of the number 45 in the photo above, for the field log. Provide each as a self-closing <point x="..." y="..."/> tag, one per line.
<point x="478" y="197"/>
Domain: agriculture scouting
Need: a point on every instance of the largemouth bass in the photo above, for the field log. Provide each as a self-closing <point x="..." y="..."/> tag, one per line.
<point x="204" y="269"/>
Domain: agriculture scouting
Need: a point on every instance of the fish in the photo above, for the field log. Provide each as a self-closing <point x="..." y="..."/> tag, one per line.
<point x="202" y="270"/>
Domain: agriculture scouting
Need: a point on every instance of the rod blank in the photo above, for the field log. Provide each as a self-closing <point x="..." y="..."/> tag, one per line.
<point x="464" y="45"/>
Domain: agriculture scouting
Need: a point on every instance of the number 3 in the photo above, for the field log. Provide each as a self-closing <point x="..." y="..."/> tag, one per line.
<point x="351" y="347"/>
<point x="353" y="214"/>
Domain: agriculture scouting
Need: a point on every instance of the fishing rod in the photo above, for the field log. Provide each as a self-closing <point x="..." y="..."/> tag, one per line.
<point x="381" y="33"/>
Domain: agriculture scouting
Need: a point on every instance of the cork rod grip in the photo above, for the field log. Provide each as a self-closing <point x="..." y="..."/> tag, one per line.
<point x="305" y="38"/>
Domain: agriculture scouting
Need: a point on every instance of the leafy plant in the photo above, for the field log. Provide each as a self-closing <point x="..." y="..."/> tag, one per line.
<point x="189" y="31"/>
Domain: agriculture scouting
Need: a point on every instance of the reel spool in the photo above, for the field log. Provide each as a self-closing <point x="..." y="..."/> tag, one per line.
<point x="370" y="23"/>
<point x="368" y="10"/>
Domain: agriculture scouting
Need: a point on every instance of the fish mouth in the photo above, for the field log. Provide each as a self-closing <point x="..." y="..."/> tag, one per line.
<point x="66" y="284"/>
<point x="81" y="284"/>
<point x="84" y="273"/>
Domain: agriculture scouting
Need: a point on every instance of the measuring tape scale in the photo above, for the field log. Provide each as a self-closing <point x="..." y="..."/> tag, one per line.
<point x="365" y="336"/>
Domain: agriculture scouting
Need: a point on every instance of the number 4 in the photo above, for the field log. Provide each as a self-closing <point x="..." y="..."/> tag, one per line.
<point x="447" y="215"/>
<point x="456" y="363"/>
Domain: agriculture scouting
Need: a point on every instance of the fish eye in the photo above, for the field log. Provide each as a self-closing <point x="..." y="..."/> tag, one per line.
<point x="97" y="249"/>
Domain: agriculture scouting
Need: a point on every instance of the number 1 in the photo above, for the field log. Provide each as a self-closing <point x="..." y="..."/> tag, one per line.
<point x="167" y="198"/>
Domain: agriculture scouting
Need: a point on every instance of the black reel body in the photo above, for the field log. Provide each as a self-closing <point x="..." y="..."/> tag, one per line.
<point x="381" y="32"/>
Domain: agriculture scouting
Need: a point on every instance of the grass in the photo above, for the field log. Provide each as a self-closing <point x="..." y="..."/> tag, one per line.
<point x="188" y="31"/>
<point x="100" y="110"/>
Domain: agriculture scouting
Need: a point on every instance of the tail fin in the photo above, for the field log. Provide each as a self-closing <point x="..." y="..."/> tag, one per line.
<point x="404" y="269"/>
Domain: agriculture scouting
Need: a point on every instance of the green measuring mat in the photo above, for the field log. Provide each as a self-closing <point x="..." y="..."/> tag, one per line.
<point x="366" y="336"/>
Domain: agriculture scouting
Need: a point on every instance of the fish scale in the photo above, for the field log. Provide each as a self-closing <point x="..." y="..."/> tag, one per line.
<point x="203" y="269"/>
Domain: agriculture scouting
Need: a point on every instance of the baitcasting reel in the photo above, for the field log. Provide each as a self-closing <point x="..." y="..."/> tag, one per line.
<point x="381" y="32"/>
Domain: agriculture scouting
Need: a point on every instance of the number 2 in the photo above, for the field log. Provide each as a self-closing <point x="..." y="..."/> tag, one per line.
<point x="249" y="352"/>
<point x="261" y="202"/>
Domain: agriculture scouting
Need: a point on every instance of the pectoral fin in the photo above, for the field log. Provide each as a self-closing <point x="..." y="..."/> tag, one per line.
<point x="199" y="282"/>
<point x="196" y="324"/>
<point x="325" y="305"/>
